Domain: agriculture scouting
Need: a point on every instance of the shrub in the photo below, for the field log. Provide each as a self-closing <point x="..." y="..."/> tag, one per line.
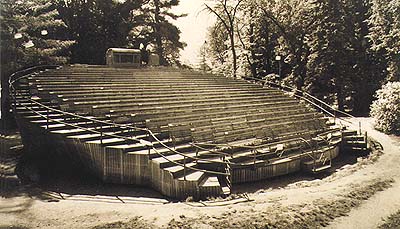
<point x="386" y="109"/>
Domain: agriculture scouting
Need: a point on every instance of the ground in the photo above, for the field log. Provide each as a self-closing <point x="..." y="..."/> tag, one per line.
<point x="361" y="193"/>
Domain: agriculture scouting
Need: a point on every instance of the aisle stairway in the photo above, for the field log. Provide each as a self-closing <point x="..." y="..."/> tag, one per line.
<point x="207" y="132"/>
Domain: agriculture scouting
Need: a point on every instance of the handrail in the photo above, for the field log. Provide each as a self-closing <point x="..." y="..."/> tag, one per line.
<point x="317" y="100"/>
<point x="258" y="146"/>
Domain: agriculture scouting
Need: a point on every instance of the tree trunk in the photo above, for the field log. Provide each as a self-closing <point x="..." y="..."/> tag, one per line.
<point x="340" y="98"/>
<point x="157" y="30"/>
<point x="253" y="65"/>
<point x="231" y="35"/>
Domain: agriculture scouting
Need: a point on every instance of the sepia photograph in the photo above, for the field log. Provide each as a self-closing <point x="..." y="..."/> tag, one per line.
<point x="200" y="114"/>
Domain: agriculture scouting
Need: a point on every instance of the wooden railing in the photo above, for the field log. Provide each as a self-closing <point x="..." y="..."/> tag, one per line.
<point x="310" y="99"/>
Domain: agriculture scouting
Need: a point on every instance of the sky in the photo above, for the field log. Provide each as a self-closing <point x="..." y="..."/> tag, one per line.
<point x="193" y="28"/>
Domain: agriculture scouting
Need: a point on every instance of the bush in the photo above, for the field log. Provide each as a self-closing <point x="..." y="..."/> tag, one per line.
<point x="386" y="109"/>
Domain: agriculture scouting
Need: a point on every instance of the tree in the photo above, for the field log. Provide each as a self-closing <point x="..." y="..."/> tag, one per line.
<point x="263" y="44"/>
<point x="31" y="34"/>
<point x="366" y="66"/>
<point x="97" y="25"/>
<point x="157" y="32"/>
<point x="216" y="47"/>
<point x="226" y="12"/>
<point x="203" y="65"/>
<point x="329" y="46"/>
<point x="293" y="20"/>
<point x="384" y="33"/>
<point x="341" y="67"/>
<point x="386" y="108"/>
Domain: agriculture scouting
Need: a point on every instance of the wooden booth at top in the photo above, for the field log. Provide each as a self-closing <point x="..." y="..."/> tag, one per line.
<point x="120" y="57"/>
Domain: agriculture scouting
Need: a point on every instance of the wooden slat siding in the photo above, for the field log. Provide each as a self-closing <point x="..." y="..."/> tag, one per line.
<point x="155" y="175"/>
<point x="251" y="173"/>
<point x="247" y="174"/>
<point x="97" y="157"/>
<point x="163" y="181"/>
<point x="112" y="165"/>
<point x="135" y="169"/>
<point x="81" y="149"/>
<point x="209" y="191"/>
<point x="32" y="136"/>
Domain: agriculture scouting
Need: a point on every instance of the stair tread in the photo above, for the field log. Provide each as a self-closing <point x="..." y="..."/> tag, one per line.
<point x="281" y="160"/>
<point x="67" y="131"/>
<point x="173" y="157"/>
<point x="177" y="168"/>
<point x="226" y="190"/>
<point x="322" y="168"/>
<point x="44" y="120"/>
<point x="83" y="136"/>
<point x="210" y="181"/>
<point x="193" y="176"/>
<point x="127" y="146"/>
<point x="107" y="140"/>
<point x="55" y="125"/>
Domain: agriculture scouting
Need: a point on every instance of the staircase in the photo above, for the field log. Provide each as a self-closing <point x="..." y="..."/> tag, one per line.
<point x="181" y="132"/>
<point x="355" y="142"/>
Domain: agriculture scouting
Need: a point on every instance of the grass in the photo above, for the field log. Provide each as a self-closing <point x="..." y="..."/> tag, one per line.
<point x="392" y="222"/>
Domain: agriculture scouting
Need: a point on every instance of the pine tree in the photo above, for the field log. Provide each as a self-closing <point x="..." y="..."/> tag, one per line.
<point x="31" y="34"/>
<point x="97" y="25"/>
<point x="157" y="33"/>
<point x="385" y="34"/>
<point x="330" y="53"/>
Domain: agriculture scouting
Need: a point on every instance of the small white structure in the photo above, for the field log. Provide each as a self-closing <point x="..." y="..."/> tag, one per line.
<point x="121" y="57"/>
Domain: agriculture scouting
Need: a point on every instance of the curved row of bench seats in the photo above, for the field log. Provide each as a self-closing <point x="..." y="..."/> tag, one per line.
<point x="183" y="108"/>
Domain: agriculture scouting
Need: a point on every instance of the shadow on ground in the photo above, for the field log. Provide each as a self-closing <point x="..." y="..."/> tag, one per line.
<point x="283" y="181"/>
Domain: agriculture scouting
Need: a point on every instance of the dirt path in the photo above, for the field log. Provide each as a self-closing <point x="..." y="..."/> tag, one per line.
<point x="371" y="213"/>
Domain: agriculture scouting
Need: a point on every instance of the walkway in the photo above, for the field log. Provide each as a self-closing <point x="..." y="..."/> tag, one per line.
<point x="380" y="206"/>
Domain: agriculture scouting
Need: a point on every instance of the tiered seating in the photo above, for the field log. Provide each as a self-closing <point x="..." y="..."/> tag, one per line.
<point x="207" y="131"/>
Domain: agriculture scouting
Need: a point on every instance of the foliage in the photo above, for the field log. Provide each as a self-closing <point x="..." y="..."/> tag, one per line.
<point x="386" y="109"/>
<point x="391" y="222"/>
<point x="217" y="46"/>
<point x="226" y="12"/>
<point x="97" y="25"/>
<point x="32" y="34"/>
<point x="157" y="32"/>
<point x="385" y="34"/>
<point x="341" y="51"/>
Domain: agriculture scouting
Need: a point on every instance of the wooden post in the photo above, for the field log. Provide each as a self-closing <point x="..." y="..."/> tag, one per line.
<point x="184" y="167"/>
<point x="314" y="158"/>
<point x="197" y="154"/>
<point x="101" y="133"/>
<point x="148" y="139"/>
<point x="15" y="98"/>
<point x="359" y="126"/>
<point x="334" y="116"/>
<point x="47" y="118"/>
<point x="366" y="140"/>
<point x="254" y="157"/>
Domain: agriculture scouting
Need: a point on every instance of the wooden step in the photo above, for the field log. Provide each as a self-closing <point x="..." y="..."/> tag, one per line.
<point x="322" y="168"/>
<point x="210" y="181"/>
<point x="193" y="176"/>
<point x="180" y="170"/>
